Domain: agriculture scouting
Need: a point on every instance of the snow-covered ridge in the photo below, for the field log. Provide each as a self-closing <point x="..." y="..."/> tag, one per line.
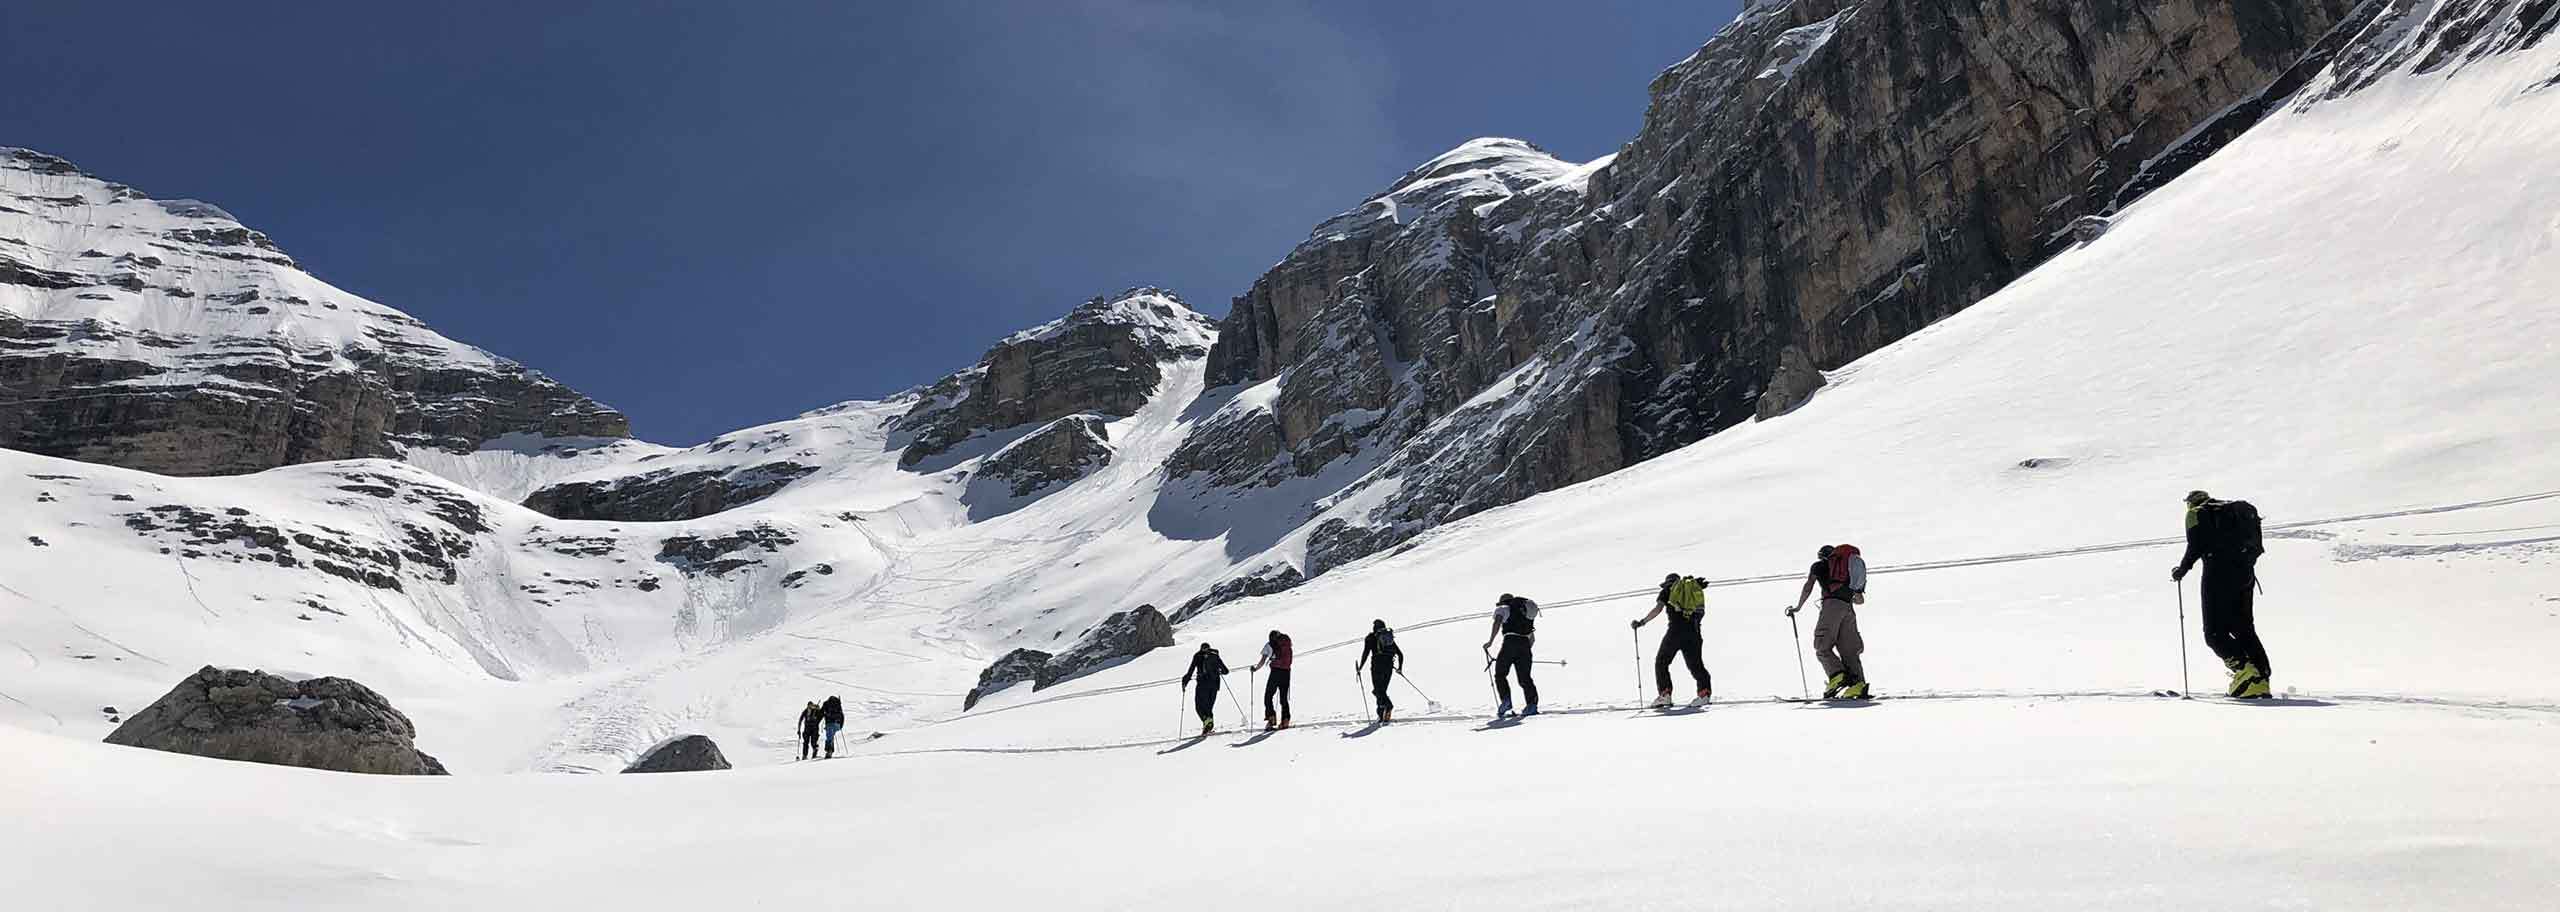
<point x="166" y="335"/>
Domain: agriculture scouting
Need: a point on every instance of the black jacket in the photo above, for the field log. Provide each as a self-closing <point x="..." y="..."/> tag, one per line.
<point x="809" y="719"/>
<point x="834" y="710"/>
<point x="1205" y="665"/>
<point x="1392" y="659"/>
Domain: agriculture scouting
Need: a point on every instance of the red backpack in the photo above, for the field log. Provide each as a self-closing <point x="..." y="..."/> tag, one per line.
<point x="1280" y="652"/>
<point x="1845" y="572"/>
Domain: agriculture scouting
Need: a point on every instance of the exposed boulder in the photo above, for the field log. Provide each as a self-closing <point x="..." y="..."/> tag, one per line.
<point x="321" y="723"/>
<point x="1016" y="667"/>
<point x="685" y="754"/>
<point x="1123" y="636"/>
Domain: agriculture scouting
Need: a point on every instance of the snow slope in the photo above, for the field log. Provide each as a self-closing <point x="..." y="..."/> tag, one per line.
<point x="2344" y="317"/>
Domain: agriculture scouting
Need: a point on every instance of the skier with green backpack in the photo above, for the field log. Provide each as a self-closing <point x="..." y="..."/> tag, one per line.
<point x="2225" y="535"/>
<point x="1685" y="597"/>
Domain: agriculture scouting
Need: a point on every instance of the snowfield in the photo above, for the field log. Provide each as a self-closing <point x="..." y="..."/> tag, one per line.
<point x="2346" y="317"/>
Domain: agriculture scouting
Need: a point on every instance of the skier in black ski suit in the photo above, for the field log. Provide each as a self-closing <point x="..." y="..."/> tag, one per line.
<point x="1212" y="672"/>
<point x="2229" y="591"/>
<point x="1515" y="623"/>
<point x="1685" y="599"/>
<point x="834" y="713"/>
<point x="810" y="718"/>
<point x="1380" y="644"/>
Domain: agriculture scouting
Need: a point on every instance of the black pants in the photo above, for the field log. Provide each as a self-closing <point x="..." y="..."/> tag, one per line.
<point x="2230" y="613"/>
<point x="1380" y="675"/>
<point x="1684" y="641"/>
<point x="808" y="743"/>
<point x="1205" y="699"/>
<point x="1514" y="658"/>
<point x="1278" y="687"/>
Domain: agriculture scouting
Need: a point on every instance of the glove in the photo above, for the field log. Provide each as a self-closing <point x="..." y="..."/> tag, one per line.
<point x="2178" y="575"/>
<point x="1635" y="625"/>
<point x="1791" y="612"/>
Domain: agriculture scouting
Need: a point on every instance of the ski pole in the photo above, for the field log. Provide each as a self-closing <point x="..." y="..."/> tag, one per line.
<point x="1180" y="724"/>
<point x="1800" y="682"/>
<point x="1428" y="704"/>
<point x="1241" y="720"/>
<point x="1250" y="675"/>
<point x="1366" y="711"/>
<point x="1635" y="642"/>
<point x="2184" y="686"/>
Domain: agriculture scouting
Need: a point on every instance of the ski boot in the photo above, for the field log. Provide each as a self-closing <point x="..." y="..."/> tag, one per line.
<point x="1503" y="711"/>
<point x="1529" y="710"/>
<point x="1832" y="687"/>
<point x="1705" y="696"/>
<point x="1386" y="715"/>
<point x="1270" y="723"/>
<point x="1856" y="690"/>
<point x="1662" y="700"/>
<point x="1284" y="721"/>
<point x="2244" y="676"/>
<point x="1207" y="726"/>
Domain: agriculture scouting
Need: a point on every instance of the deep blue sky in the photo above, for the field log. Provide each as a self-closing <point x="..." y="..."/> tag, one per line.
<point x="713" y="216"/>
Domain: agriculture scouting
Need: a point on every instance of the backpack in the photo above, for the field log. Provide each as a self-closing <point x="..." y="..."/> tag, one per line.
<point x="1280" y="652"/>
<point x="1386" y="646"/>
<point x="2231" y="529"/>
<point x="1846" y="571"/>
<point x="1688" y="597"/>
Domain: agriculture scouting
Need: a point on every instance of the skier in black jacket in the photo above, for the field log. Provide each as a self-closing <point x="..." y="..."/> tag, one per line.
<point x="1515" y="623"/>
<point x="834" y="712"/>
<point x="811" y="718"/>
<point x="1381" y="645"/>
<point x="2228" y="542"/>
<point x="1211" y="670"/>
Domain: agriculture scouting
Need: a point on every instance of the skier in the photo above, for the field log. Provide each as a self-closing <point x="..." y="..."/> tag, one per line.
<point x="1211" y="670"/>
<point x="1381" y="645"/>
<point x="1686" y="598"/>
<point x="834" y="713"/>
<point x="1841" y="573"/>
<point x="1275" y="653"/>
<point x="1515" y="623"/>
<point x="810" y="718"/>
<point x="2225" y="536"/>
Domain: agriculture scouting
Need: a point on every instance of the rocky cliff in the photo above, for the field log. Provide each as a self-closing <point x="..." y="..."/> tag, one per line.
<point x="164" y="335"/>
<point x="1819" y="180"/>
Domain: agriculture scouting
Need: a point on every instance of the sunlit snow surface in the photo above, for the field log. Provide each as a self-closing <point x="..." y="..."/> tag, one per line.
<point x="2349" y="313"/>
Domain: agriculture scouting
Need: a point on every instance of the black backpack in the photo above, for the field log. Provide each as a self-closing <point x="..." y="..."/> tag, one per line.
<point x="2231" y="529"/>
<point x="1385" y="650"/>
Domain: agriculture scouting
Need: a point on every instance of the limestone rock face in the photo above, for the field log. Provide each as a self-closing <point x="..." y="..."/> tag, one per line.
<point x="1822" y="178"/>
<point x="164" y="335"/>
<point x="666" y="495"/>
<point x="1059" y="452"/>
<point x="1104" y="358"/>
<point x="687" y="754"/>
<point x="322" y="723"/>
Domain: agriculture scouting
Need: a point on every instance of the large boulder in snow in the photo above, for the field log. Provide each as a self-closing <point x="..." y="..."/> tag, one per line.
<point x="1016" y="667"/>
<point x="686" y="754"/>
<point x="321" y="723"/>
<point x="1119" y="638"/>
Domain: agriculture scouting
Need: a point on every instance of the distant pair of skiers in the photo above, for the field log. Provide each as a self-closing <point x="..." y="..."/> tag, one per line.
<point x="1685" y="599"/>
<point x="815" y="718"/>
<point x="1211" y="671"/>
<point x="2225" y="535"/>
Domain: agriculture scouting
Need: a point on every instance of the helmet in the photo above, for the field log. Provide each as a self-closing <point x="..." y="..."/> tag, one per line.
<point x="2197" y="497"/>
<point x="1507" y="598"/>
<point x="1378" y="624"/>
<point x="1671" y="577"/>
<point x="1825" y="553"/>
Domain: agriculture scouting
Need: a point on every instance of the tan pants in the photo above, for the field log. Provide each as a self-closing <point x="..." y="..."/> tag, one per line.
<point x="1836" y="643"/>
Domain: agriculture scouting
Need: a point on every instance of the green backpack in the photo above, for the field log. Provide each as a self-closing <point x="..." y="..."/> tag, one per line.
<point x="1688" y="598"/>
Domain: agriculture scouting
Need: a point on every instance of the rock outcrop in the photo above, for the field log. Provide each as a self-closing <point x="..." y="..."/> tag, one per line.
<point x="164" y="335"/>
<point x="1014" y="668"/>
<point x="1059" y="452"/>
<point x="1123" y="636"/>
<point x="322" y="723"/>
<point x="1822" y="178"/>
<point x="1105" y="358"/>
<point x="666" y="495"/>
<point x="685" y="754"/>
